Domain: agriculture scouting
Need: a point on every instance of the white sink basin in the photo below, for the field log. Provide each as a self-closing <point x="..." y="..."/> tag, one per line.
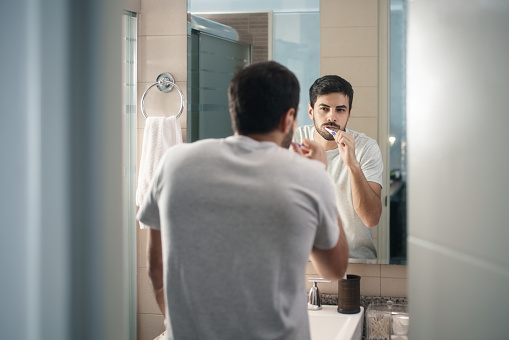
<point x="328" y="324"/>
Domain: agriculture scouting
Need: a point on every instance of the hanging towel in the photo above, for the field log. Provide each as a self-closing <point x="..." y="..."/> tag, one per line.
<point x="160" y="134"/>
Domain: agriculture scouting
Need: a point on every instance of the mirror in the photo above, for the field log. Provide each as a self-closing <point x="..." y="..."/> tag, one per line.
<point x="294" y="29"/>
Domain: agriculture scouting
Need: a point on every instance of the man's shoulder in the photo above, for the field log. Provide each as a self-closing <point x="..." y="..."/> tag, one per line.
<point x="201" y="144"/>
<point x="188" y="151"/>
<point x="305" y="128"/>
<point x="361" y="138"/>
<point x="305" y="131"/>
<point x="365" y="145"/>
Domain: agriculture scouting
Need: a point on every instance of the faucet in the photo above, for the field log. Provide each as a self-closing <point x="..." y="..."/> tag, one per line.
<point x="314" y="300"/>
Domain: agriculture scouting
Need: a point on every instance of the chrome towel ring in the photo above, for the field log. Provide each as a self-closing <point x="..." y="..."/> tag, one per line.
<point x="165" y="83"/>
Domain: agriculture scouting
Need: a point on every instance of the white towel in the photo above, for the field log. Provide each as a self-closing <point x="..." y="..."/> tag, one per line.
<point x="160" y="134"/>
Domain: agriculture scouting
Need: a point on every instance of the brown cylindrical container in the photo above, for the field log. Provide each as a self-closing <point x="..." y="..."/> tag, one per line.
<point x="349" y="295"/>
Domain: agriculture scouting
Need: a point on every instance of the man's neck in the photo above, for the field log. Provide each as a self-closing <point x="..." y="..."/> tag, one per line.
<point x="266" y="137"/>
<point x="326" y="144"/>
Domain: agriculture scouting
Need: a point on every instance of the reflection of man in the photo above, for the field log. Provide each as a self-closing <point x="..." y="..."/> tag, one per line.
<point x="354" y="162"/>
<point x="236" y="219"/>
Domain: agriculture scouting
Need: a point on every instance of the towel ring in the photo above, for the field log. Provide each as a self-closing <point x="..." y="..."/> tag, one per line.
<point x="165" y="83"/>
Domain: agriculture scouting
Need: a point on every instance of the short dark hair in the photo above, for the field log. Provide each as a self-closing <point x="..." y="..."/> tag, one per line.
<point x="330" y="84"/>
<point x="259" y="95"/>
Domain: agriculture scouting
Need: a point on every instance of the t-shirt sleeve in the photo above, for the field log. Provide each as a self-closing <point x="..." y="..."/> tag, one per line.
<point x="297" y="136"/>
<point x="327" y="233"/>
<point x="372" y="164"/>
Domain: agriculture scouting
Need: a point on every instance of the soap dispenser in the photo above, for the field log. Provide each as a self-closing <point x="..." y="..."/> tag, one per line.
<point x="314" y="300"/>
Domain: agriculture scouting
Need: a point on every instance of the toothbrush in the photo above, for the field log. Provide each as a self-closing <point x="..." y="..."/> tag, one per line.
<point x="332" y="132"/>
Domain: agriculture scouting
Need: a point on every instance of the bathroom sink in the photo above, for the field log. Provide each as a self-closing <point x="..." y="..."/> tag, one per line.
<point x="328" y="324"/>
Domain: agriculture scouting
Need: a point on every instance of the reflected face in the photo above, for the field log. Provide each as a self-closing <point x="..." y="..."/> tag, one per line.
<point x="332" y="111"/>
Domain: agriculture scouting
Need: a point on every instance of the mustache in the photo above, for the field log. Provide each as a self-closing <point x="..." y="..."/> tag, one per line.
<point x="331" y="125"/>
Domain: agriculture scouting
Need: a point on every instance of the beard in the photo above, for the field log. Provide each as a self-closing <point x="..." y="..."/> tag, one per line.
<point x="325" y="134"/>
<point x="287" y="140"/>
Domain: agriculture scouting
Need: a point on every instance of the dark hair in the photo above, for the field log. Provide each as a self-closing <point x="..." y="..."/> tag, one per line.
<point x="330" y="84"/>
<point x="259" y="95"/>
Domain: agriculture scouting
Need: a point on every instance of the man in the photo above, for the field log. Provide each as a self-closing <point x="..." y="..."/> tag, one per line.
<point x="354" y="162"/>
<point x="233" y="221"/>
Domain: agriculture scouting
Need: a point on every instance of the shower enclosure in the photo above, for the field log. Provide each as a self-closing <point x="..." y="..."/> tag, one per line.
<point x="215" y="53"/>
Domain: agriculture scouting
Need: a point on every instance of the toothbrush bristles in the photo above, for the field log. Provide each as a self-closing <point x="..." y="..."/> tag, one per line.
<point x="332" y="132"/>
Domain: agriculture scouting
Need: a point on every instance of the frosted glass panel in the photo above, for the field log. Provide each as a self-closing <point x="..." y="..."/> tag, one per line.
<point x="129" y="98"/>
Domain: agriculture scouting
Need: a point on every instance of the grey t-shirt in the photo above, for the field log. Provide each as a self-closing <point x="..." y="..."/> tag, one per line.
<point x="367" y="152"/>
<point x="238" y="220"/>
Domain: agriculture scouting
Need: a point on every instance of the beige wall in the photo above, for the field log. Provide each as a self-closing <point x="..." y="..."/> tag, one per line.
<point x="376" y="280"/>
<point x="162" y="47"/>
<point x="349" y="47"/>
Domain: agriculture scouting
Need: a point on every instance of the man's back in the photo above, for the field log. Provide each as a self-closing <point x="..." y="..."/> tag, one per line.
<point x="239" y="218"/>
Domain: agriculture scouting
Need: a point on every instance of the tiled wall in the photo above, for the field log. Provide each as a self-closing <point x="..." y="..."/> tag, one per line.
<point x="376" y="280"/>
<point x="162" y="47"/>
<point x="256" y="24"/>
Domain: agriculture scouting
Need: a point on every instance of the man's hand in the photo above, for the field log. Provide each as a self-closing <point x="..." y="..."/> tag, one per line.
<point x="346" y="147"/>
<point x="312" y="150"/>
<point x="365" y="195"/>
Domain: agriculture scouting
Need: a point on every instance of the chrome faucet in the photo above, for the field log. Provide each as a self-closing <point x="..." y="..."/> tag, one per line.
<point x="314" y="300"/>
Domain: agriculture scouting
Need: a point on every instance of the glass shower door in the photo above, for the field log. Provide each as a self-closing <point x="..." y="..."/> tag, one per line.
<point x="213" y="62"/>
<point x="129" y="99"/>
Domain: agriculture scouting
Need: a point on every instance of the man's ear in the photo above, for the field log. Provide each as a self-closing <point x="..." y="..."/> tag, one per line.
<point x="287" y="120"/>
<point x="310" y="111"/>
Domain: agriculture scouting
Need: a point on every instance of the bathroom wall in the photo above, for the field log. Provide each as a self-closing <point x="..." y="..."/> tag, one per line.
<point x="458" y="136"/>
<point x="376" y="280"/>
<point x="349" y="47"/>
<point x="162" y="47"/>
<point x="259" y="25"/>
